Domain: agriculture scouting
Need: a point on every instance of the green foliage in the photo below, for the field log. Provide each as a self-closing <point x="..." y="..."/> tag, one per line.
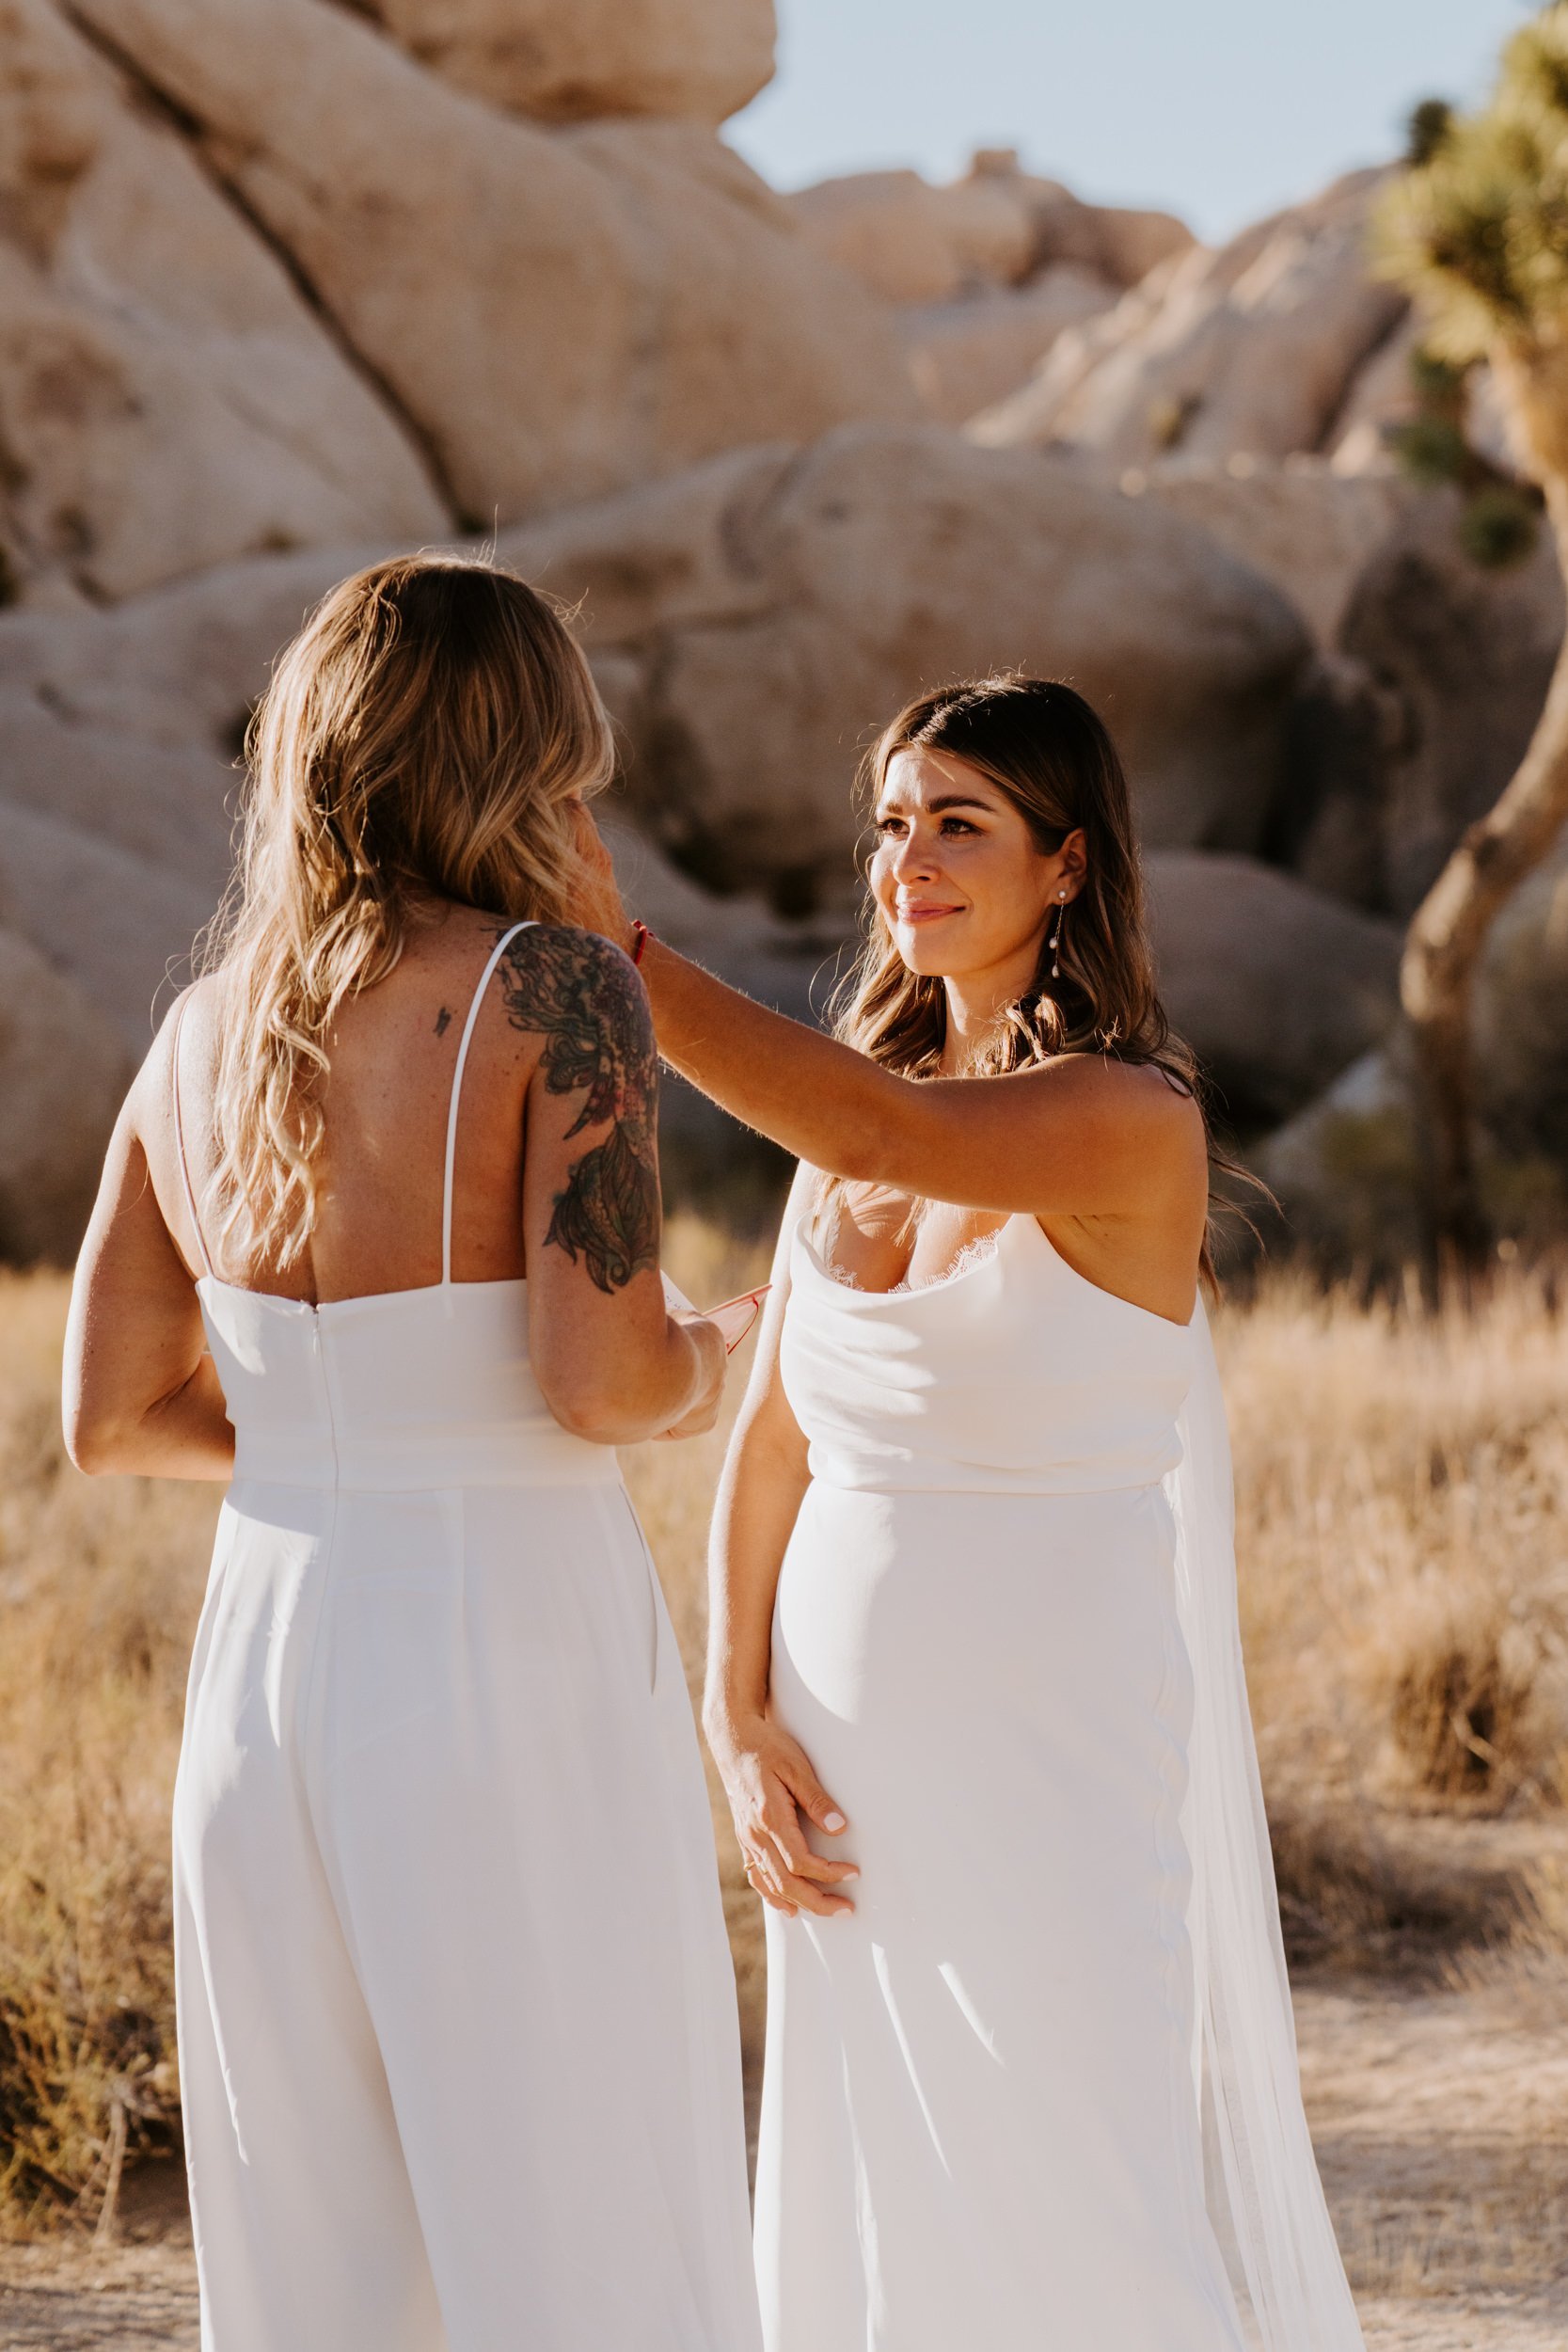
<point x="1429" y="126"/>
<point x="1498" y="525"/>
<point x="1439" y="385"/>
<point x="1430" y="449"/>
<point x="1476" y="226"/>
<point x="1500" y="517"/>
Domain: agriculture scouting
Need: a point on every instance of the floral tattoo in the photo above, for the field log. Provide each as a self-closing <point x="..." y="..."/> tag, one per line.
<point x="589" y="1008"/>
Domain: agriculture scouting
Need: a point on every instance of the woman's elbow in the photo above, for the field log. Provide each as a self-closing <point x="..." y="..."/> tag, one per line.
<point x="586" y="1406"/>
<point x="95" y="1447"/>
<point x="591" y="1418"/>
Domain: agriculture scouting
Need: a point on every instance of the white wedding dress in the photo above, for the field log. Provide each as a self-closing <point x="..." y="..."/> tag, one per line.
<point x="1040" y="2090"/>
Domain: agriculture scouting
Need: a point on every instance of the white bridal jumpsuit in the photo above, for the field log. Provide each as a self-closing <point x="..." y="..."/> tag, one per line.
<point x="458" y="2043"/>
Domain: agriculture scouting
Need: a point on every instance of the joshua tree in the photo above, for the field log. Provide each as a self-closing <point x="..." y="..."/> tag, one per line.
<point x="1476" y="226"/>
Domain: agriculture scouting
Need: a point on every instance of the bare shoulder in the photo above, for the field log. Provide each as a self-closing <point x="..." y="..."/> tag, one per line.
<point x="1137" y="1118"/>
<point x="1148" y="1097"/>
<point x="582" y="996"/>
<point x="150" y="1101"/>
<point x="556" y="979"/>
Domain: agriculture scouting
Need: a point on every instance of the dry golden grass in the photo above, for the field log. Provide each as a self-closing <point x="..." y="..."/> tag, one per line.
<point x="1403" y="1527"/>
<point x="1402" y="1535"/>
<point x="99" y="1588"/>
<point x="1402" y="1507"/>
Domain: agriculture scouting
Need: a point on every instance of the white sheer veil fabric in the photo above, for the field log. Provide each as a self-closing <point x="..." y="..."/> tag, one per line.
<point x="1262" y="2182"/>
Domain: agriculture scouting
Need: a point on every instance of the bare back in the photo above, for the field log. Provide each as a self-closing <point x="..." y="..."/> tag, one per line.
<point x="392" y="1067"/>
<point x="543" y="1158"/>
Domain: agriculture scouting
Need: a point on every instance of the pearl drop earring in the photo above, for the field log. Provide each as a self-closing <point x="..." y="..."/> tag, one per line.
<point x="1056" y="939"/>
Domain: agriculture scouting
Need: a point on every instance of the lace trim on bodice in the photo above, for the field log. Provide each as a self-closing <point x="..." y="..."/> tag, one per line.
<point x="974" y="1252"/>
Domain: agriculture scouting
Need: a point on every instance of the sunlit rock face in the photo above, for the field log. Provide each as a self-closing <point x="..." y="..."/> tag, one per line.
<point x="1252" y="347"/>
<point x="986" y="271"/>
<point x="689" y="60"/>
<point x="270" y="282"/>
<point x="168" y="397"/>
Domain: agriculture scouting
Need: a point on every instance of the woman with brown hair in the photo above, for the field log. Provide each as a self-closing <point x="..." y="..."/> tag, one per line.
<point x="378" y="1241"/>
<point x="975" y="1680"/>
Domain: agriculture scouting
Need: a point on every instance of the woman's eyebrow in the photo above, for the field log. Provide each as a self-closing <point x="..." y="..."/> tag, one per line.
<point x="935" y="807"/>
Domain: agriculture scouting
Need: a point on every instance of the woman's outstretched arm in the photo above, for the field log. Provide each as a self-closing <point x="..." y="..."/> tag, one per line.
<point x="1083" y="1135"/>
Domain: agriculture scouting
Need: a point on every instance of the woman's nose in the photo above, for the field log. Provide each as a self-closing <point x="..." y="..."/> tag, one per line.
<point x="915" y="859"/>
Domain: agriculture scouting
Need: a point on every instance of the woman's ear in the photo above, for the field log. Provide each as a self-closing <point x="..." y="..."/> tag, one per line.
<point x="1075" y="861"/>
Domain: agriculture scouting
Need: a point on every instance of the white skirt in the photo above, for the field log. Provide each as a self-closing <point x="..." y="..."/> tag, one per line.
<point x="979" y="2128"/>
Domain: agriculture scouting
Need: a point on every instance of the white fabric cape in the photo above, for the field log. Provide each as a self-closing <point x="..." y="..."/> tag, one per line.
<point x="1261" y="2180"/>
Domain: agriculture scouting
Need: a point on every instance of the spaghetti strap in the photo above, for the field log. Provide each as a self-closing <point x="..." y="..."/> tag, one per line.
<point x="496" y="954"/>
<point x="179" y="1140"/>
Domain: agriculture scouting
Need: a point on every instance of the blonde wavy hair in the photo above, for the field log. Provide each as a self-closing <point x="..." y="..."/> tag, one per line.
<point x="1050" y="755"/>
<point x="419" y="741"/>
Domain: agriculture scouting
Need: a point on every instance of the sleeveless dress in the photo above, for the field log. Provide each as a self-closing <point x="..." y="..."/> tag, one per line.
<point x="458" y="2043"/>
<point x="980" y="2127"/>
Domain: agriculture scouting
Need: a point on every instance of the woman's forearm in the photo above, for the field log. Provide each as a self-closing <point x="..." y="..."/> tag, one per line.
<point x="754" y="1512"/>
<point x="821" y="1101"/>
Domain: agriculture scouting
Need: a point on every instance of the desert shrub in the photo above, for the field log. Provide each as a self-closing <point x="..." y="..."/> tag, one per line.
<point x="1456" y="1673"/>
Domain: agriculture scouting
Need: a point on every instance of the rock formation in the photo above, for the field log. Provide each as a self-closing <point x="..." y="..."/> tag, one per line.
<point x="986" y="271"/>
<point x="1466" y="654"/>
<point x="1253" y="348"/>
<point x="782" y="605"/>
<point x="63" y="1072"/>
<point x="293" y="283"/>
<point x="1278" y="987"/>
<point x="692" y="60"/>
<point x="168" y="397"/>
<point x="997" y="226"/>
<point x="1304" y="525"/>
<point x="548" y="312"/>
<point x="1348" y="1169"/>
<point x="752" y="620"/>
<point x="972" y="349"/>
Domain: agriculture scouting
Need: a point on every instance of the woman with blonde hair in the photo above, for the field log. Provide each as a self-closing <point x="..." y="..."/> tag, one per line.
<point x="974" y="1679"/>
<point x="378" y="1241"/>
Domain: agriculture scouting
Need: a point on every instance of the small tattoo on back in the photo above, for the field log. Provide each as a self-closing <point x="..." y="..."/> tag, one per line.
<point x="443" y="1021"/>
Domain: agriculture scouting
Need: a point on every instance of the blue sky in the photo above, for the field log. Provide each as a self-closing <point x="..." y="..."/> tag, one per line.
<point x="1219" y="109"/>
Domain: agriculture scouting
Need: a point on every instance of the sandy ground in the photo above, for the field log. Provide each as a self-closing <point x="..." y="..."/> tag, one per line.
<point x="1441" y="2120"/>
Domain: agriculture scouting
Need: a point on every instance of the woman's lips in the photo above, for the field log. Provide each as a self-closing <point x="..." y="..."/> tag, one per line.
<point x="924" y="914"/>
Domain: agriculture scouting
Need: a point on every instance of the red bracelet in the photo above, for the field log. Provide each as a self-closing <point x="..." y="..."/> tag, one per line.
<point x="640" y="936"/>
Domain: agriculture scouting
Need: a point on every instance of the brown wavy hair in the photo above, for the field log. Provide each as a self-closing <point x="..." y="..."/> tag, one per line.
<point x="1050" y="755"/>
<point x="420" y="743"/>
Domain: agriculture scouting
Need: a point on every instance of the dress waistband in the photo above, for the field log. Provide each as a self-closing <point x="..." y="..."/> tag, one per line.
<point x="841" y="1474"/>
<point x="409" y="1462"/>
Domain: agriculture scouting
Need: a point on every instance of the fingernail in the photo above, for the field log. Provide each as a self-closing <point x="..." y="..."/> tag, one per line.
<point x="833" y="1821"/>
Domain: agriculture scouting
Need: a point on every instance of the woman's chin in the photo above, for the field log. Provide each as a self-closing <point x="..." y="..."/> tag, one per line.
<point x="928" y="948"/>
<point x="920" y="956"/>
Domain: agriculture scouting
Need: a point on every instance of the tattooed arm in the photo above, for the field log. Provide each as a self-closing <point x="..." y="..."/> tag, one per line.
<point x="613" y="1365"/>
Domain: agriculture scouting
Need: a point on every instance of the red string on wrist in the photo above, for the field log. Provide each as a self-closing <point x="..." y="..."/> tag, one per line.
<point x="640" y="938"/>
